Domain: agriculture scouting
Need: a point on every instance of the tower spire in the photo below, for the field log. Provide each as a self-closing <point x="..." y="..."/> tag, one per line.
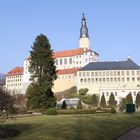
<point x="84" y="29"/>
<point x="84" y="41"/>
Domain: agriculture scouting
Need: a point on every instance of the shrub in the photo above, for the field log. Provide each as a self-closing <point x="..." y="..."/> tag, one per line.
<point x="130" y="108"/>
<point x="113" y="110"/>
<point x="77" y="111"/>
<point x="51" y="111"/>
<point x="64" y="105"/>
<point x="79" y="105"/>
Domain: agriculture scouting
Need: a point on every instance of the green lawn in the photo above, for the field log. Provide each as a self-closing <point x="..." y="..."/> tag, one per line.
<point x="73" y="127"/>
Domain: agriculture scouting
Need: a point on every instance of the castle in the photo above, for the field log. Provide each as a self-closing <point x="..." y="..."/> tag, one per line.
<point x="80" y="67"/>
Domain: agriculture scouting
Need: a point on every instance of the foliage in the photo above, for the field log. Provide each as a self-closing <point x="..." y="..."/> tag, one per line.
<point x="51" y="111"/>
<point x="113" y="110"/>
<point x="130" y="108"/>
<point x="122" y="104"/>
<point x="138" y="100"/>
<point x="86" y="99"/>
<point x="77" y="111"/>
<point x="42" y="62"/>
<point x="6" y="102"/>
<point x="129" y="99"/>
<point x="94" y="100"/>
<point x="68" y="93"/>
<point x="112" y="101"/>
<point x="39" y="93"/>
<point x="103" y="101"/>
<point x="79" y="105"/>
<point x="83" y="91"/>
<point x="39" y="97"/>
<point x="20" y="101"/>
<point x="64" y="105"/>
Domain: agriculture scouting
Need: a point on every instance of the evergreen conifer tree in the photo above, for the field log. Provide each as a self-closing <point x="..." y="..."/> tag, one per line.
<point x="43" y="71"/>
<point x="94" y="100"/>
<point x="129" y="99"/>
<point x="64" y="105"/>
<point x="138" y="100"/>
<point x="103" y="101"/>
<point x="112" y="102"/>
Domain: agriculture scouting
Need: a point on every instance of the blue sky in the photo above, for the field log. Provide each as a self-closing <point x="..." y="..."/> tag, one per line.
<point x="114" y="27"/>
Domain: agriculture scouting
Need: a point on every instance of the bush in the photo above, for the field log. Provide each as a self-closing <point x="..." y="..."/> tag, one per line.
<point x="64" y="105"/>
<point x="77" y="111"/>
<point x="113" y="110"/>
<point x="79" y="106"/>
<point x="130" y="108"/>
<point x="51" y="111"/>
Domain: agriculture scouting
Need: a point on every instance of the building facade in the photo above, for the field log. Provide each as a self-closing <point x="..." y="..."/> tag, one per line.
<point x="118" y="77"/>
<point x="14" y="80"/>
<point x="67" y="62"/>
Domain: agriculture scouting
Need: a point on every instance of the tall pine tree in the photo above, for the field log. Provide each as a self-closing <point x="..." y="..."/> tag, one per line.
<point x="129" y="99"/>
<point x="94" y="100"/>
<point x="138" y="100"/>
<point x="112" y="102"/>
<point x="103" y="101"/>
<point x="43" y="71"/>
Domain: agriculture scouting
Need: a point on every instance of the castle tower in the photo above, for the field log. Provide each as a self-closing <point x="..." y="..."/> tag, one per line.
<point x="84" y="37"/>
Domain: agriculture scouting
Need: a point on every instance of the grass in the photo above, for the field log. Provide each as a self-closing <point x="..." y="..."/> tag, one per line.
<point x="73" y="127"/>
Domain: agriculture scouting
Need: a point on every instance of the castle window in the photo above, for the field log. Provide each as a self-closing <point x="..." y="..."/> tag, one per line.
<point x="70" y="60"/>
<point x="81" y="80"/>
<point x="107" y="73"/>
<point x="118" y="73"/>
<point x="107" y="94"/>
<point x="138" y="78"/>
<point x="115" y="93"/>
<point x="132" y="72"/>
<point x="138" y="72"/>
<point x="65" y="61"/>
<point x="128" y="79"/>
<point x="122" y="72"/>
<point x="123" y="79"/>
<point x="85" y="80"/>
<point x="92" y="73"/>
<point x="133" y="79"/>
<point x="56" y="62"/>
<point x="87" y="73"/>
<point x="127" y="72"/>
<point x="61" y="62"/>
<point x="118" y="79"/>
<point x="83" y="74"/>
<point x="96" y="73"/>
<point x="79" y="74"/>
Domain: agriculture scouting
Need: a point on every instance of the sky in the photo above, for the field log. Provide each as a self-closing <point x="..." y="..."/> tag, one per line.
<point x="113" y="25"/>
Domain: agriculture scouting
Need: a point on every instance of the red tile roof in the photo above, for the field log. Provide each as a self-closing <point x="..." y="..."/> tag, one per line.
<point x="65" y="53"/>
<point x="15" y="71"/>
<point x="68" y="53"/>
<point x="67" y="71"/>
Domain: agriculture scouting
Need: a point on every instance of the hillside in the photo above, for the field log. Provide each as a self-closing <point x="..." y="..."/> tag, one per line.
<point x="68" y="93"/>
<point x="2" y="79"/>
